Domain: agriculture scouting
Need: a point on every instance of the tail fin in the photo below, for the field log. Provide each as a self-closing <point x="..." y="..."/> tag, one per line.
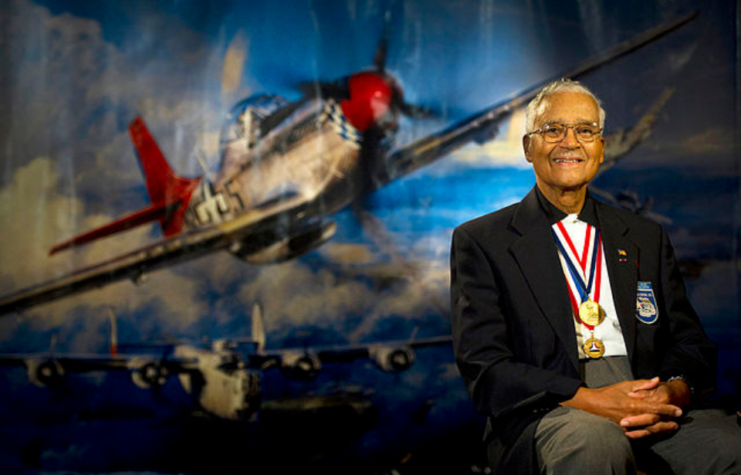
<point x="169" y="193"/>
<point x="114" y="333"/>
<point x="165" y="188"/>
<point x="52" y="343"/>
<point x="258" y="328"/>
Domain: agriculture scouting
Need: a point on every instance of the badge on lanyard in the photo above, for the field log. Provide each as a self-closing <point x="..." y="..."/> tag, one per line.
<point x="646" y="309"/>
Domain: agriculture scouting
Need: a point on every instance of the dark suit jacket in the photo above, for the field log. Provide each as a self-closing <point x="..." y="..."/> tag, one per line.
<point x="513" y="328"/>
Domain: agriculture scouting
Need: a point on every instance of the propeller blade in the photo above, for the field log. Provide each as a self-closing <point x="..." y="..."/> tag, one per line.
<point x="233" y="67"/>
<point x="417" y="112"/>
<point x="379" y="59"/>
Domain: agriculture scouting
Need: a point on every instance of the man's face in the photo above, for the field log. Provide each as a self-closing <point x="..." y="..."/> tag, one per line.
<point x="568" y="164"/>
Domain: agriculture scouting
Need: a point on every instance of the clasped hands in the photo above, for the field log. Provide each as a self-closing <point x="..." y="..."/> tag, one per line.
<point x="642" y="407"/>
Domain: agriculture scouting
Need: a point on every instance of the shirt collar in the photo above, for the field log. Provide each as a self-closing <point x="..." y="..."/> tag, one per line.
<point x="554" y="215"/>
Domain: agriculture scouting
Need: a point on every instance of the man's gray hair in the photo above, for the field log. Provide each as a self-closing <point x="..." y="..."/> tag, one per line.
<point x="537" y="105"/>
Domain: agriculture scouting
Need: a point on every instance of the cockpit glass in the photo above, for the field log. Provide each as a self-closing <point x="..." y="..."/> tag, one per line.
<point x="243" y="120"/>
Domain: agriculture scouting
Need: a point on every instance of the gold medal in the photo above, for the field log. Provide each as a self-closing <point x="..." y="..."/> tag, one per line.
<point x="594" y="348"/>
<point x="590" y="313"/>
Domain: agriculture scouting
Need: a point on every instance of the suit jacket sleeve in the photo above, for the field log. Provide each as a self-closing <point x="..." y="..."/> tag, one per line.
<point x="497" y="379"/>
<point x="690" y="353"/>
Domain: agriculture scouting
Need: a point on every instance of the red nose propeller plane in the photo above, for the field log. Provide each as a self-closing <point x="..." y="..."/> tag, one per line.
<point x="285" y="168"/>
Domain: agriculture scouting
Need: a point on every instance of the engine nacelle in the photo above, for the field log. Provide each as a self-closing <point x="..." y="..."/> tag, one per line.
<point x="393" y="358"/>
<point x="44" y="372"/>
<point x="147" y="373"/>
<point x="300" y="365"/>
<point x="284" y="248"/>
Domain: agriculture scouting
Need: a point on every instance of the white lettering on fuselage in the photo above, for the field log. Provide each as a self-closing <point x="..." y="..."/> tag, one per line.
<point x="212" y="208"/>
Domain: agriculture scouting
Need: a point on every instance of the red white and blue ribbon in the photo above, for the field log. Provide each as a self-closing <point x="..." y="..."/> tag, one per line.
<point x="593" y="277"/>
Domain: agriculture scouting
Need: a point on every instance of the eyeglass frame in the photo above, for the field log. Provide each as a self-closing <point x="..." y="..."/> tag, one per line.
<point x="566" y="127"/>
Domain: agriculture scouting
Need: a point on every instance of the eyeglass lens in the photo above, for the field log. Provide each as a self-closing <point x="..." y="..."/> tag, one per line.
<point x="557" y="132"/>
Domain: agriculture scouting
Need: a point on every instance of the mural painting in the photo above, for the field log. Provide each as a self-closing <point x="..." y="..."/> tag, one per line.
<point x="226" y="225"/>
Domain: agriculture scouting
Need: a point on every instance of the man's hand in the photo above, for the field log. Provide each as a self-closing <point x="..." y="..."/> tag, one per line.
<point x="675" y="392"/>
<point x="641" y="407"/>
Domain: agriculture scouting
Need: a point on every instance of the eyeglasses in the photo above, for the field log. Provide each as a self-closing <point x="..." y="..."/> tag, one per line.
<point x="552" y="133"/>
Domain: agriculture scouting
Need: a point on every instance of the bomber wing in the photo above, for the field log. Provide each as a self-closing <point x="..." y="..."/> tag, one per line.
<point x="85" y="363"/>
<point x="45" y="369"/>
<point x="482" y="127"/>
<point x="305" y="363"/>
<point x="80" y="363"/>
<point x="352" y="352"/>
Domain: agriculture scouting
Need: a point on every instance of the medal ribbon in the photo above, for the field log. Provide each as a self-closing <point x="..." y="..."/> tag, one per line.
<point x="596" y="268"/>
<point x="583" y="259"/>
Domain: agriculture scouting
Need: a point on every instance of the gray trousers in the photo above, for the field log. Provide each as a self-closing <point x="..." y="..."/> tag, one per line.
<point x="571" y="441"/>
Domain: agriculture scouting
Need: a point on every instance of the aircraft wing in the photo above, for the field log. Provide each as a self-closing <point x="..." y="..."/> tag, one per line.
<point x="630" y="201"/>
<point x="71" y="363"/>
<point x="388" y="355"/>
<point x="482" y="127"/>
<point x="45" y="369"/>
<point x="85" y="363"/>
<point x="349" y="353"/>
<point x="622" y="141"/>
<point x="250" y="227"/>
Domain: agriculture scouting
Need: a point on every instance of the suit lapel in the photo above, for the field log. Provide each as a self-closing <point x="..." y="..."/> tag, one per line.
<point x="537" y="256"/>
<point x="621" y="256"/>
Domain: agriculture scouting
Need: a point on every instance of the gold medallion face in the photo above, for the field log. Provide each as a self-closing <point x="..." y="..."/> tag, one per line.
<point x="594" y="348"/>
<point x="590" y="313"/>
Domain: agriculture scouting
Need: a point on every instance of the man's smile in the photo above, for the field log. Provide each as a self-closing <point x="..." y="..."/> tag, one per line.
<point x="568" y="160"/>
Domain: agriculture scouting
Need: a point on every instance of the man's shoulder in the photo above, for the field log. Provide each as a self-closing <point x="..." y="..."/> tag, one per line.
<point x="632" y="220"/>
<point x="499" y="219"/>
<point x="639" y="228"/>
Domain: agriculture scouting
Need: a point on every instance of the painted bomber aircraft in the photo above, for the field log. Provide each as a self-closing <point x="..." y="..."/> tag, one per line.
<point x="225" y="379"/>
<point x="285" y="168"/>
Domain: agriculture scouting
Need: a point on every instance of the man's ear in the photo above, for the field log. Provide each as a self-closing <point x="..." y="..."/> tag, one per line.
<point x="526" y="147"/>
<point x="602" y="139"/>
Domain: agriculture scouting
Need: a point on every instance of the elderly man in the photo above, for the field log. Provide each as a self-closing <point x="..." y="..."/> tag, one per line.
<point x="571" y="325"/>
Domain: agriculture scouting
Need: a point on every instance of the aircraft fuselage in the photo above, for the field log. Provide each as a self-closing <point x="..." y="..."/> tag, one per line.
<point x="314" y="153"/>
<point x="222" y="386"/>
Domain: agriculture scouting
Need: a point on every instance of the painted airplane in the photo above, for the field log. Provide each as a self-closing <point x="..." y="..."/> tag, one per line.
<point x="620" y="143"/>
<point x="285" y="168"/>
<point x="225" y="379"/>
<point x="630" y="201"/>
